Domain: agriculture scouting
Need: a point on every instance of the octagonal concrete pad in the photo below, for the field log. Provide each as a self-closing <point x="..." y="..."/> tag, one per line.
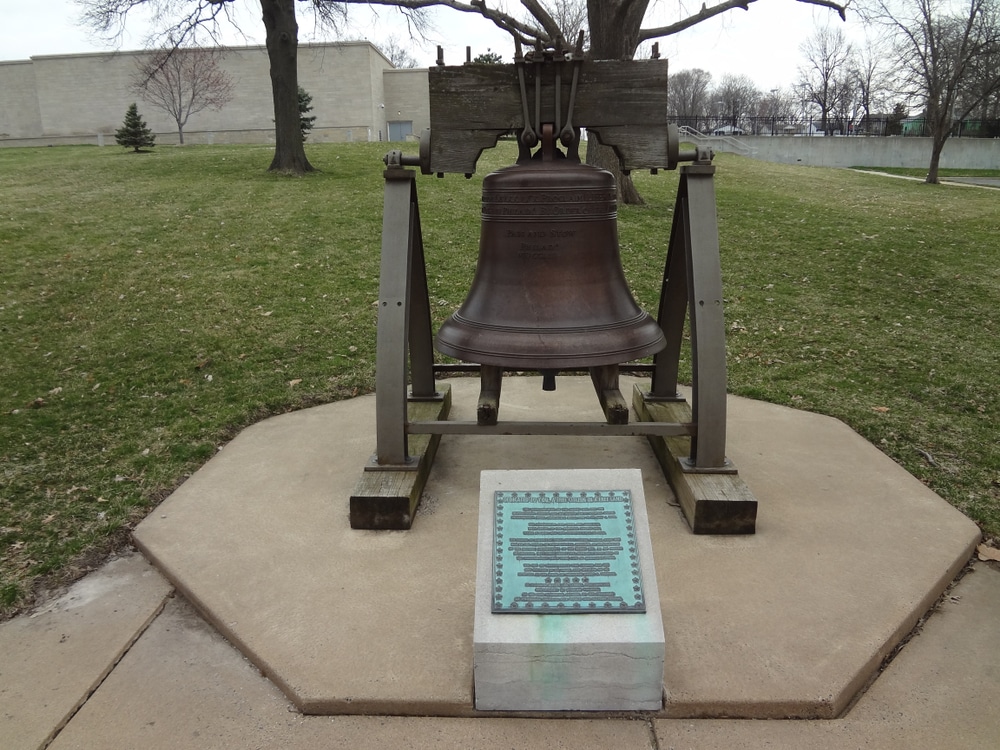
<point x="850" y="550"/>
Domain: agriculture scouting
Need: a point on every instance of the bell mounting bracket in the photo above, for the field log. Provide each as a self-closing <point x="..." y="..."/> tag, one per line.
<point x="556" y="58"/>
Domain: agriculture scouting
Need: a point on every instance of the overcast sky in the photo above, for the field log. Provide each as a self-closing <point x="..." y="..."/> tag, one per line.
<point x="762" y="43"/>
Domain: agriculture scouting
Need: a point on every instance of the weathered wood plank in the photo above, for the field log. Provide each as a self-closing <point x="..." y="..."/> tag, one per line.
<point x="638" y="146"/>
<point x="605" y="380"/>
<point x="488" y="97"/>
<point x="488" y="407"/>
<point x="388" y="499"/>
<point x="712" y="503"/>
<point x="472" y="105"/>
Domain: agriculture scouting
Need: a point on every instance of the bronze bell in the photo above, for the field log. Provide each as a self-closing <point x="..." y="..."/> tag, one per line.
<point x="549" y="291"/>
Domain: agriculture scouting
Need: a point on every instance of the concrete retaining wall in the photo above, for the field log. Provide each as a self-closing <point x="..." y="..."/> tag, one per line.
<point x="833" y="151"/>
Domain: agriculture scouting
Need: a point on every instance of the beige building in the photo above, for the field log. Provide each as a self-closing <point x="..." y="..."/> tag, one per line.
<point x="356" y="96"/>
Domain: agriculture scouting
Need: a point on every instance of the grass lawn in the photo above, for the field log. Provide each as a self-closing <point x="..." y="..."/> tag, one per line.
<point x="152" y="305"/>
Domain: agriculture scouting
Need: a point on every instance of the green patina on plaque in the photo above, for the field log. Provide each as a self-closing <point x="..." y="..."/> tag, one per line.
<point x="565" y="552"/>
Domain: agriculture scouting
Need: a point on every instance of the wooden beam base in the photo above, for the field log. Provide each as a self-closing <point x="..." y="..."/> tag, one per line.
<point x="713" y="503"/>
<point x="387" y="497"/>
<point x="491" y="382"/>
<point x="605" y="379"/>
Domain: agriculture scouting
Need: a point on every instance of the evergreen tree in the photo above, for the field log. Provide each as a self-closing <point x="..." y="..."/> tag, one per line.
<point x="489" y="57"/>
<point x="305" y="107"/>
<point x="133" y="132"/>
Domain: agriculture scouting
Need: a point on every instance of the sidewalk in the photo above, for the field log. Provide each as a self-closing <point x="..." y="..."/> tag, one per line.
<point x="123" y="661"/>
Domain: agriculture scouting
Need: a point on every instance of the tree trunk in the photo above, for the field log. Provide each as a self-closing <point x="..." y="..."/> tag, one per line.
<point x="602" y="156"/>
<point x="939" y="118"/>
<point x="282" y="49"/>
<point x="932" y="170"/>
<point x="614" y="35"/>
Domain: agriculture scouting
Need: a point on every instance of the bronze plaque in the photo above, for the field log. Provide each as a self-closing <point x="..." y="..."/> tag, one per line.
<point x="569" y="552"/>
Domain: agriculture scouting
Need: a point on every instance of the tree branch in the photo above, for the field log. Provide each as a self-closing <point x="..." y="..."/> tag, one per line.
<point x="518" y="29"/>
<point x="107" y="18"/>
<point x="724" y="7"/>
<point x="542" y="16"/>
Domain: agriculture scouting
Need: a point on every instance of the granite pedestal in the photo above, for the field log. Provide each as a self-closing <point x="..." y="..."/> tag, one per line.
<point x="588" y="661"/>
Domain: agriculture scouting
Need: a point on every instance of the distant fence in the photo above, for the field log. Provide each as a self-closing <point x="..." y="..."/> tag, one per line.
<point x="871" y="126"/>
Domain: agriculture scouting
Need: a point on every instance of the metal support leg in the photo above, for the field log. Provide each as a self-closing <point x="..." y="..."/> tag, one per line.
<point x="421" y="340"/>
<point x="673" y="305"/>
<point x="692" y="286"/>
<point x="713" y="497"/>
<point x="394" y="317"/>
<point x="708" y="330"/>
<point x="388" y="492"/>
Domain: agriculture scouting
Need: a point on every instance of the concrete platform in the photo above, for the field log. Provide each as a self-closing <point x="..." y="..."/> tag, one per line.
<point x="52" y="660"/>
<point x="792" y="622"/>
<point x="180" y="685"/>
<point x="121" y="661"/>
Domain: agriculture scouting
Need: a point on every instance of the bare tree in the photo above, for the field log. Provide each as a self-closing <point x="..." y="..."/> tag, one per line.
<point x="615" y="32"/>
<point x="827" y="54"/>
<point x="736" y="98"/>
<point x="184" y="21"/>
<point x="979" y="93"/>
<point x="949" y="58"/>
<point x="183" y="82"/>
<point x="871" y="74"/>
<point x="396" y="53"/>
<point x="846" y="109"/>
<point x="989" y="116"/>
<point x="777" y="110"/>
<point x="571" y="17"/>
<point x="688" y="94"/>
<point x="615" y="28"/>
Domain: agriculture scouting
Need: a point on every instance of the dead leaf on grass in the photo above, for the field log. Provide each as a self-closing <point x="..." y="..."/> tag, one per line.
<point x="880" y="409"/>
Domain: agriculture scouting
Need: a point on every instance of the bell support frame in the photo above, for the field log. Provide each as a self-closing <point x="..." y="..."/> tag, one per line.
<point x="689" y="441"/>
